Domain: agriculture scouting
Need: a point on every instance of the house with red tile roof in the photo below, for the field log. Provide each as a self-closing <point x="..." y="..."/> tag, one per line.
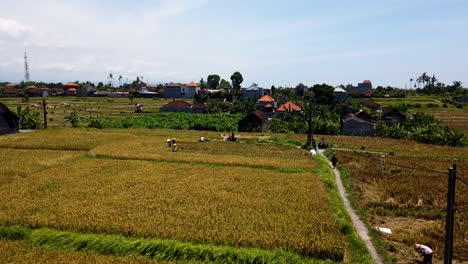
<point x="289" y="107"/>
<point x="266" y="104"/>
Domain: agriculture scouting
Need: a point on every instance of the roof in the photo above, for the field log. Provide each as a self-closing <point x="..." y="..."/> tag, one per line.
<point x="289" y="106"/>
<point x="268" y="105"/>
<point x="366" y="81"/>
<point x="31" y="87"/>
<point x="351" y="117"/>
<point x="260" y="114"/>
<point x="173" y="84"/>
<point x="301" y="85"/>
<point x="339" y="90"/>
<point x="11" y="85"/>
<point x="70" y="84"/>
<point x="151" y="86"/>
<point x="266" y="98"/>
<point x="192" y="84"/>
<point x="178" y="104"/>
<point x="71" y="90"/>
<point x="391" y="111"/>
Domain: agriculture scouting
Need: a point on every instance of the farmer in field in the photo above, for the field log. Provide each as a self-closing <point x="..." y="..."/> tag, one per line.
<point x="173" y="141"/>
<point x="169" y="143"/>
<point x="174" y="147"/>
<point x="202" y="139"/>
<point x="322" y="144"/>
<point x="314" y="144"/>
<point x="424" y="251"/>
<point x="334" y="160"/>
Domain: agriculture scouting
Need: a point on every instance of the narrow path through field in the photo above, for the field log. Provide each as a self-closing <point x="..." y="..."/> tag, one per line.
<point x="359" y="226"/>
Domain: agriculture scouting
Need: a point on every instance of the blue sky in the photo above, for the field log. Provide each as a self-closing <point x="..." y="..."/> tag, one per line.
<point x="269" y="42"/>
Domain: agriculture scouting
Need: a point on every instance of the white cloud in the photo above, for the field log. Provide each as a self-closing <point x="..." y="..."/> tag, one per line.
<point x="13" y="28"/>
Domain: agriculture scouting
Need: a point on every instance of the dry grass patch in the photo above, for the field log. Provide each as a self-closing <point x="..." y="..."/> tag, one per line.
<point x="233" y="206"/>
<point x="412" y="202"/>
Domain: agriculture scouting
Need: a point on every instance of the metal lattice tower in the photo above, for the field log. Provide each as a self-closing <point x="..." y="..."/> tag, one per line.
<point x="26" y="68"/>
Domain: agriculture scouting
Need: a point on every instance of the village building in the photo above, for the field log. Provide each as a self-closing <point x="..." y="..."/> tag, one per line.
<point x="300" y="89"/>
<point x="178" y="90"/>
<point x="354" y="126"/>
<point x="266" y="104"/>
<point x="87" y="90"/>
<point x="257" y="121"/>
<point x="252" y="92"/>
<point x="8" y="121"/>
<point x="340" y="95"/>
<point x="392" y="115"/>
<point x="289" y="107"/>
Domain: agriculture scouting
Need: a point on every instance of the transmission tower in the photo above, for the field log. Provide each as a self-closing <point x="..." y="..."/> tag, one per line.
<point x="26" y="68"/>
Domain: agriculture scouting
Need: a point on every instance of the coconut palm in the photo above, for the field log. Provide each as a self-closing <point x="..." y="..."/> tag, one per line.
<point x="111" y="78"/>
<point x="120" y="78"/>
<point x="411" y="82"/>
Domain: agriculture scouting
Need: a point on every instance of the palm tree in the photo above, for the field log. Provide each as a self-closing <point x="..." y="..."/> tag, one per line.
<point x="111" y="78"/>
<point x="120" y="78"/>
<point x="411" y="82"/>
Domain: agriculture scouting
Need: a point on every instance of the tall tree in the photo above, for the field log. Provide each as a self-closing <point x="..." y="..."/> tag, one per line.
<point x="120" y="80"/>
<point x="323" y="94"/>
<point x="237" y="80"/>
<point x="225" y="85"/>
<point x="111" y="79"/>
<point x="213" y="81"/>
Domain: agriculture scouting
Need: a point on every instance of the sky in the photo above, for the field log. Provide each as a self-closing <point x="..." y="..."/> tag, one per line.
<point x="270" y="42"/>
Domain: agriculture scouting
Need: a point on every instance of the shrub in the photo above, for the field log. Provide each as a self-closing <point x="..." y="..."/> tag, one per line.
<point x="445" y="105"/>
<point x="74" y="118"/>
<point x="459" y="106"/>
<point x="28" y="119"/>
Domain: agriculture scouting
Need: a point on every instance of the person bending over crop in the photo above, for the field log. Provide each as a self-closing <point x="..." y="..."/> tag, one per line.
<point x="424" y="251"/>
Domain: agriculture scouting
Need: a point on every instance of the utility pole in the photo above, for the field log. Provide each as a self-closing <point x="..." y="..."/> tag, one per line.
<point x="452" y="178"/>
<point x="44" y="106"/>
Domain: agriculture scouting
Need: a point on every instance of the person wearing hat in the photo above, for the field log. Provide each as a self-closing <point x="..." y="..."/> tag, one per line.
<point x="174" y="147"/>
<point x="425" y="251"/>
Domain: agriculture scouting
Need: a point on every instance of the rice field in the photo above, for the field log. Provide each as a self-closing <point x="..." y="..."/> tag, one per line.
<point x="21" y="252"/>
<point x="59" y="107"/>
<point x="412" y="202"/>
<point x="128" y="182"/>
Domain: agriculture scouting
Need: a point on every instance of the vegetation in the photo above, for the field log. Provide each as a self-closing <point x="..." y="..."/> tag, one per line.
<point x="213" y="122"/>
<point x="424" y="128"/>
<point x="22" y="252"/>
<point x="159" y="249"/>
<point x="210" y="194"/>
<point x="28" y="119"/>
<point x="415" y="210"/>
